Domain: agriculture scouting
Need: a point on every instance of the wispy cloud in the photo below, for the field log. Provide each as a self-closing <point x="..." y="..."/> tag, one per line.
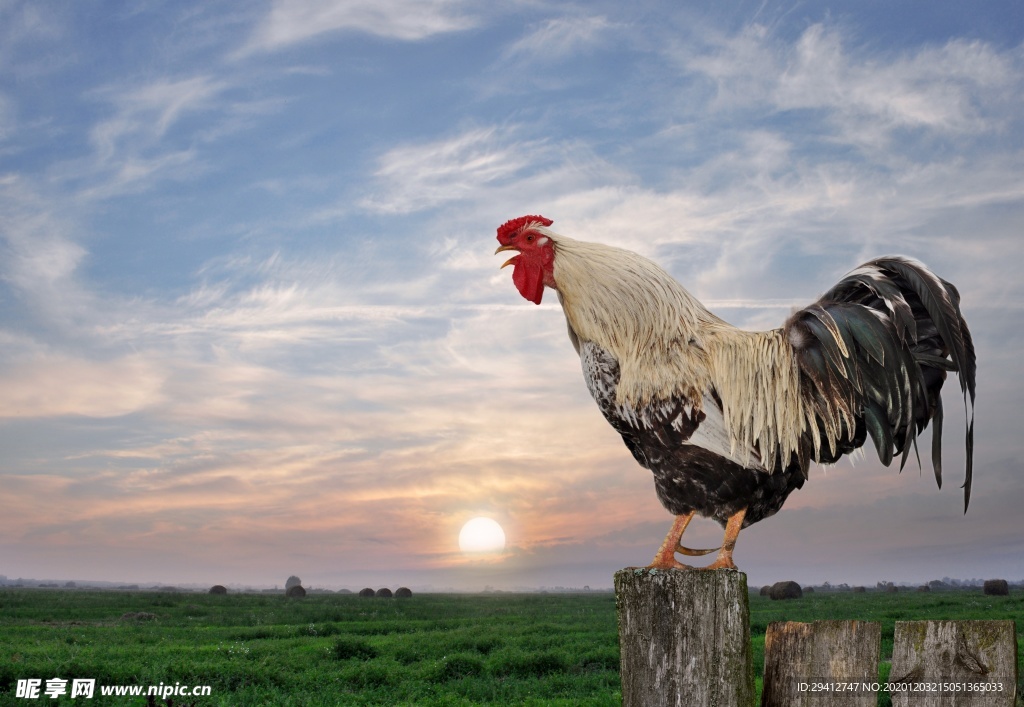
<point x="143" y="114"/>
<point x="938" y="88"/>
<point x="290" y="22"/>
<point x="58" y="385"/>
<point x="132" y="146"/>
<point x="559" y="37"/>
<point x="39" y="253"/>
<point x="417" y="177"/>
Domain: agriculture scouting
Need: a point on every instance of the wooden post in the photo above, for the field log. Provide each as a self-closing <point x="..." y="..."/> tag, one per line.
<point x="684" y="637"/>
<point x="954" y="664"/>
<point x="823" y="663"/>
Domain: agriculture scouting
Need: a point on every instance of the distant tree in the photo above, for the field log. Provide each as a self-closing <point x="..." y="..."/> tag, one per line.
<point x="293" y="581"/>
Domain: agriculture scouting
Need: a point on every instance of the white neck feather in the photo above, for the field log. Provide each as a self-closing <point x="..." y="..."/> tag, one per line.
<point x="631" y="307"/>
<point x="667" y="344"/>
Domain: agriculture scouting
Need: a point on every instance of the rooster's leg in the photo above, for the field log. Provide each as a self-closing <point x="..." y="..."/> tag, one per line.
<point x="732" y="530"/>
<point x="665" y="558"/>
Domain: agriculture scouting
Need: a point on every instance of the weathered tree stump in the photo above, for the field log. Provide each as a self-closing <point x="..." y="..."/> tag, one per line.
<point x="954" y="664"/>
<point x="803" y="662"/>
<point x="684" y="638"/>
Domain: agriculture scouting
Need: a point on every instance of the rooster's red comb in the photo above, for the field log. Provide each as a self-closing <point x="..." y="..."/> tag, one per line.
<point x="506" y="229"/>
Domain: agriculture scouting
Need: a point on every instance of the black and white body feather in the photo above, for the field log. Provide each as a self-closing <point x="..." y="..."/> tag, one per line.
<point x="727" y="419"/>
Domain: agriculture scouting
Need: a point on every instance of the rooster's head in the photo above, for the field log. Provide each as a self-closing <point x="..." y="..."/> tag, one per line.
<point x="534" y="265"/>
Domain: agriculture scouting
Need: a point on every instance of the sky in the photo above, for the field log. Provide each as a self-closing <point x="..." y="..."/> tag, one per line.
<point x="252" y="324"/>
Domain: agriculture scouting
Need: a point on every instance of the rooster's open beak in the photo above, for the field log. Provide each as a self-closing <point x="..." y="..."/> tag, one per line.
<point x="507" y="247"/>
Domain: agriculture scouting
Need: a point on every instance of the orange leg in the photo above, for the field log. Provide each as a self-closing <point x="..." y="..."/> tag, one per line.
<point x="665" y="558"/>
<point x="732" y="530"/>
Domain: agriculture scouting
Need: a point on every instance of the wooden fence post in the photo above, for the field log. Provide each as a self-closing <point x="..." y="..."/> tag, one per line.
<point x="684" y="637"/>
<point x="822" y="663"/>
<point x="954" y="664"/>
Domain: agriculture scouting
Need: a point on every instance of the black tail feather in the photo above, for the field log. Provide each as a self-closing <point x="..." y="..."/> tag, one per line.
<point x="876" y="348"/>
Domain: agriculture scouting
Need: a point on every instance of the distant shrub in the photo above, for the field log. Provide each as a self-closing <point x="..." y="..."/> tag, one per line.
<point x="319" y="630"/>
<point x="407" y="654"/>
<point x="292" y="581"/>
<point x="456" y="667"/>
<point x="484" y="645"/>
<point x="384" y="593"/>
<point x="996" y="587"/>
<point x="924" y="588"/>
<point x="296" y="592"/>
<point x="372" y="675"/>
<point x="599" y="661"/>
<point x="403" y="593"/>
<point x="891" y="588"/>
<point x="527" y="665"/>
<point x="218" y="589"/>
<point x="366" y="592"/>
<point x="348" y="648"/>
<point x="138" y="616"/>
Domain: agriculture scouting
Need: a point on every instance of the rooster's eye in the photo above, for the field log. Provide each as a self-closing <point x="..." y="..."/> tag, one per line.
<point x="529" y="238"/>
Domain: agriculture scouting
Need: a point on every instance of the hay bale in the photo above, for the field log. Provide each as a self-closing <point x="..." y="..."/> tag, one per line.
<point x="296" y="592"/>
<point x="808" y="590"/>
<point x="891" y="588"/>
<point x="403" y="593"/>
<point x="996" y="587"/>
<point x="384" y="593"/>
<point x="786" y="590"/>
<point x="218" y="589"/>
<point x="766" y="590"/>
<point x="860" y="590"/>
<point x="924" y="588"/>
<point x="366" y="592"/>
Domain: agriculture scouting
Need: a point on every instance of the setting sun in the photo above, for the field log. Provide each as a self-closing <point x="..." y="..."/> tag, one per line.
<point x="481" y="535"/>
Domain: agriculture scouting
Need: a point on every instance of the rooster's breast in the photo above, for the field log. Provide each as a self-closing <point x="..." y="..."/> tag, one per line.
<point x="688" y="450"/>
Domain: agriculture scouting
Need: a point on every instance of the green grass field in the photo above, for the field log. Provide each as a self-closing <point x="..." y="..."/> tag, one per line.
<point x="437" y="649"/>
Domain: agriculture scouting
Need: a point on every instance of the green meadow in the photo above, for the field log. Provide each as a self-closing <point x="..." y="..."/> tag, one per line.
<point x="331" y="649"/>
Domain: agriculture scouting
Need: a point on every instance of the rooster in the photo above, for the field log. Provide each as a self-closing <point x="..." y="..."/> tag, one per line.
<point x="728" y="421"/>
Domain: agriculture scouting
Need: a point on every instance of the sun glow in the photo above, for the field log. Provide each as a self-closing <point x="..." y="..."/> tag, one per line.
<point x="481" y="535"/>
